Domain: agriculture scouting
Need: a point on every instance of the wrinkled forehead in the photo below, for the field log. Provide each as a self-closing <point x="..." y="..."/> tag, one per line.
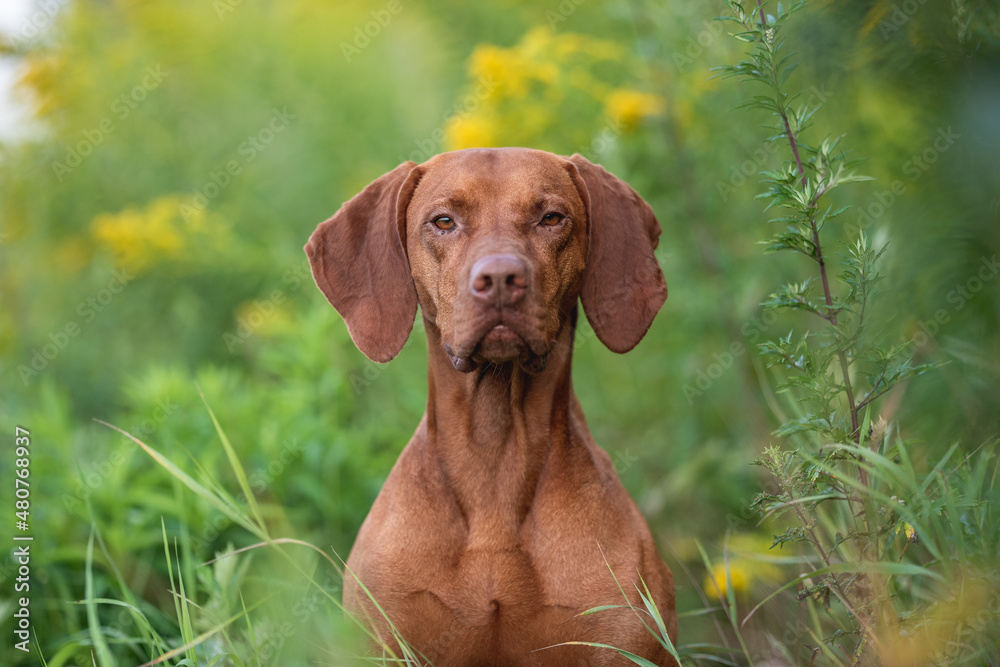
<point x="505" y="180"/>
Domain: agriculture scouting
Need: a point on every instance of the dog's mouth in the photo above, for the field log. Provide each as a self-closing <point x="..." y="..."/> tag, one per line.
<point x="500" y="339"/>
<point x="501" y="335"/>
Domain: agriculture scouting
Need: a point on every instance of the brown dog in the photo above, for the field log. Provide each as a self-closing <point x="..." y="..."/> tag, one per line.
<point x="499" y="522"/>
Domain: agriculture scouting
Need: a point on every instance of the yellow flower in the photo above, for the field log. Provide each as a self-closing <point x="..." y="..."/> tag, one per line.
<point x="715" y="582"/>
<point x="545" y="90"/>
<point x="627" y="106"/>
<point x="42" y="77"/>
<point x="500" y="67"/>
<point x="537" y="42"/>
<point x="469" y="132"/>
<point x="265" y="315"/>
<point x="511" y="72"/>
<point x="140" y="238"/>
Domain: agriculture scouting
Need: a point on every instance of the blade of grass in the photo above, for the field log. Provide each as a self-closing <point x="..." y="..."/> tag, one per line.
<point x="233" y="513"/>
<point x="187" y="624"/>
<point x="654" y="611"/>
<point x="631" y="656"/>
<point x="234" y="462"/>
<point x="93" y="620"/>
<point x="196" y="641"/>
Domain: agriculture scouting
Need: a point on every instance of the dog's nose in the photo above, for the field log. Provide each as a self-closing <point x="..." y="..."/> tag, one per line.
<point x="499" y="279"/>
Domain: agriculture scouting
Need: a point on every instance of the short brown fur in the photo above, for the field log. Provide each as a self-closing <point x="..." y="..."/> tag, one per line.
<point x="499" y="521"/>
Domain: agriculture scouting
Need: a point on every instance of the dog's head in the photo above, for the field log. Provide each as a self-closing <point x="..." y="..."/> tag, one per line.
<point x="496" y="245"/>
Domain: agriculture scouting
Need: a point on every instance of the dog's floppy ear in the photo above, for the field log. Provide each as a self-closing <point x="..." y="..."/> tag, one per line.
<point x="359" y="262"/>
<point x="623" y="286"/>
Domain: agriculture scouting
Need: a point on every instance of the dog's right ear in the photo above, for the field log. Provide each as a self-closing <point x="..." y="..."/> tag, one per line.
<point x="359" y="262"/>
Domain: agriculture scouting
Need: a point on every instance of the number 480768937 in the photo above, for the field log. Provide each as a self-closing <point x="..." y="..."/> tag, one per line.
<point x="21" y="488"/>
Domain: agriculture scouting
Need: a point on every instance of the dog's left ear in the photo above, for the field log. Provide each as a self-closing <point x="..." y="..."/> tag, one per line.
<point x="623" y="286"/>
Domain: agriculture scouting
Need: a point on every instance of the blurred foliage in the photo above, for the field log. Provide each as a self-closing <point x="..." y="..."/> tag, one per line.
<point x="153" y="218"/>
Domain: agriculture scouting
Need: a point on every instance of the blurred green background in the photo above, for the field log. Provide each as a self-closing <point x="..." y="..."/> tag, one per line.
<point x="180" y="154"/>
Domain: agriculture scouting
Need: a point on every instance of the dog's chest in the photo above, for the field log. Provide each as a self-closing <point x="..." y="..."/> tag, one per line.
<point x="495" y="571"/>
<point x="483" y="586"/>
<point x="493" y="589"/>
<point x="490" y="606"/>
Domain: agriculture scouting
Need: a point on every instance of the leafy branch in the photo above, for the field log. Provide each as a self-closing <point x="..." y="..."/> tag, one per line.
<point x="837" y="373"/>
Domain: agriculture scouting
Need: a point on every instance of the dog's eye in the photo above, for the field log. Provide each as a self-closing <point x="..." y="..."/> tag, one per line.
<point x="444" y="223"/>
<point x="552" y="219"/>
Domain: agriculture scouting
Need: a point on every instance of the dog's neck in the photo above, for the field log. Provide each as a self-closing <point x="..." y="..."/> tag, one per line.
<point x="494" y="429"/>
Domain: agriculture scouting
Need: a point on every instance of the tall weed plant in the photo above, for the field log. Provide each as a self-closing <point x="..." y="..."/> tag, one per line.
<point x="896" y="553"/>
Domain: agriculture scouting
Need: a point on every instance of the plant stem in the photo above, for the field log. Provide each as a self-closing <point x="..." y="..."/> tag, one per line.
<point x="838" y="589"/>
<point x="827" y="293"/>
<point x="832" y="312"/>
